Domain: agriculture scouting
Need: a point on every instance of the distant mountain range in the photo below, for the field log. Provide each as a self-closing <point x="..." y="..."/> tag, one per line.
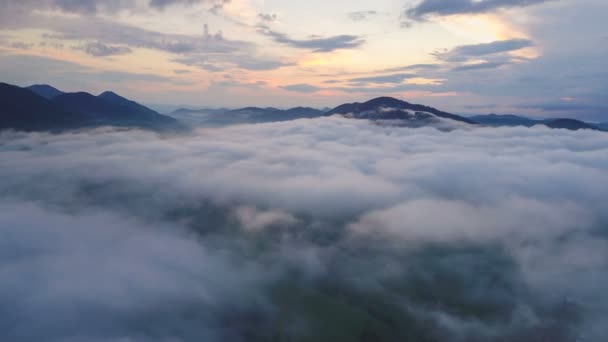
<point x="516" y="120"/>
<point x="384" y="109"/>
<point x="44" y="108"/>
<point x="222" y="117"/>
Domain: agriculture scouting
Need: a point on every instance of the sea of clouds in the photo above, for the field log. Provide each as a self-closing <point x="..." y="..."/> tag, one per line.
<point x="326" y="229"/>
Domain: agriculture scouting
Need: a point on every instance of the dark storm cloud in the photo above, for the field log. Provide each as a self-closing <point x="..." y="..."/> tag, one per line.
<point x="314" y="43"/>
<point x="254" y="231"/>
<point x="427" y="8"/>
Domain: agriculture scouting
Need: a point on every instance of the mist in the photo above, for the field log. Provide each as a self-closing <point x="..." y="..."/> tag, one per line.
<point x="328" y="229"/>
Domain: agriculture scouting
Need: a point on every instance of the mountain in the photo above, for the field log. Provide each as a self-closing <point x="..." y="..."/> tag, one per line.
<point x="570" y="124"/>
<point x="603" y="125"/>
<point x="303" y="112"/>
<point x="270" y="114"/>
<point x="247" y="115"/>
<point x="23" y="109"/>
<point x="495" y="120"/>
<point x="388" y="108"/>
<point x="255" y="110"/>
<point x="198" y="117"/>
<point x="503" y="120"/>
<point x="45" y="91"/>
<point x="112" y="109"/>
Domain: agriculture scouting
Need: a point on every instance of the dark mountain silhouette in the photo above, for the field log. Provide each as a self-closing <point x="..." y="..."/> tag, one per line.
<point x="220" y="117"/>
<point x="112" y="109"/>
<point x="515" y="120"/>
<point x="180" y="111"/>
<point x="570" y="124"/>
<point x="603" y="125"/>
<point x="255" y="110"/>
<point x="503" y="120"/>
<point x="388" y="108"/>
<point x="273" y="114"/>
<point x="45" y="90"/>
<point x="23" y="109"/>
<point x="304" y="112"/>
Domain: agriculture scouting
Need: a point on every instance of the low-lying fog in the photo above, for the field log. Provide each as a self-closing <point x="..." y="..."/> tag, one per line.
<point x="323" y="229"/>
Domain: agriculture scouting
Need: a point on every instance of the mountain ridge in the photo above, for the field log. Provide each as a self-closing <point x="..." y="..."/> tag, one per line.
<point x="45" y="90"/>
<point x="389" y="108"/>
<point x="25" y="109"/>
<point x="510" y="120"/>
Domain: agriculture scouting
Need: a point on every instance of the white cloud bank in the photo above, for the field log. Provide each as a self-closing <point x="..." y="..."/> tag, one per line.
<point x="491" y="234"/>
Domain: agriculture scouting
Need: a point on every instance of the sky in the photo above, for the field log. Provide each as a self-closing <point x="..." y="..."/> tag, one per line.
<point x="543" y="58"/>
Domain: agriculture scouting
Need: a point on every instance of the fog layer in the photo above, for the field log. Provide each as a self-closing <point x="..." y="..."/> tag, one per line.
<point x="323" y="229"/>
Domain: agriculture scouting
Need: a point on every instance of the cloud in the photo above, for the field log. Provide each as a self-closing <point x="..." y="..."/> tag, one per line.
<point x="316" y="44"/>
<point x="466" y="52"/>
<point x="107" y="37"/>
<point x="413" y="67"/>
<point x="253" y="219"/>
<point x="383" y="79"/>
<point x="266" y="17"/>
<point x="301" y="88"/>
<point x="21" y="45"/>
<point x="568" y="107"/>
<point x="181" y="71"/>
<point x="361" y="15"/>
<point x="113" y="33"/>
<point x="83" y="7"/>
<point x="215" y="63"/>
<point x="255" y="231"/>
<point x="161" y="4"/>
<point x="98" y="49"/>
<point x="99" y="276"/>
<point x="26" y="70"/>
<point x="427" y="8"/>
<point x="479" y="66"/>
<point x="93" y="7"/>
<point x="465" y="222"/>
<point x="209" y="51"/>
